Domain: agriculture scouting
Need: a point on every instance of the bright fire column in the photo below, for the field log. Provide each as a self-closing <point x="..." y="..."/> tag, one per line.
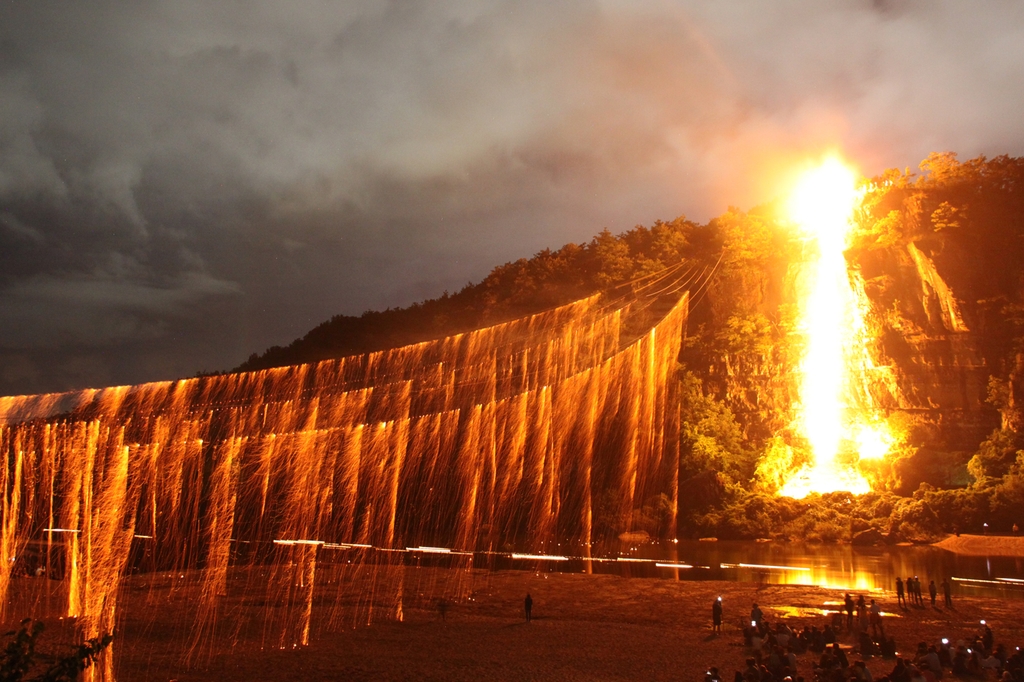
<point x="832" y="322"/>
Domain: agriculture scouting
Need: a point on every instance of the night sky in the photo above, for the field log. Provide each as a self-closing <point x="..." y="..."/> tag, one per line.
<point x="184" y="183"/>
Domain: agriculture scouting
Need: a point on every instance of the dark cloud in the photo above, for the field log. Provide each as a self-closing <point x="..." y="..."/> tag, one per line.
<point x="183" y="183"/>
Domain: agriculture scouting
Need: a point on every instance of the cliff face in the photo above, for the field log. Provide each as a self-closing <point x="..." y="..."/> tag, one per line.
<point x="939" y="259"/>
<point x="925" y="337"/>
<point x="942" y="262"/>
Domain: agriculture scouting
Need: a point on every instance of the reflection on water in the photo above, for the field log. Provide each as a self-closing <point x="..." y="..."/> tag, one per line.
<point x="803" y="611"/>
<point x="842" y="567"/>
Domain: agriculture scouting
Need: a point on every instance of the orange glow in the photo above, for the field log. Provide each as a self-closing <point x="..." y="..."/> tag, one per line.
<point x="293" y="489"/>
<point x="837" y="420"/>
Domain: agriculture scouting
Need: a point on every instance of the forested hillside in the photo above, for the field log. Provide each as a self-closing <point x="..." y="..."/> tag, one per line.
<point x="512" y="290"/>
<point x="940" y="255"/>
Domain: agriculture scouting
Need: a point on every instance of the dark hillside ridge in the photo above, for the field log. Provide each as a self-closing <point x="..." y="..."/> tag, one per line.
<point x="513" y="290"/>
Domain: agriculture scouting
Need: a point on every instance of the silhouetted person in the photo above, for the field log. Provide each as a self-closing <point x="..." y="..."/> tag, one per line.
<point x="716" y="615"/>
<point x="900" y="673"/>
<point x="931" y="659"/>
<point x="817" y="640"/>
<point x="840" y="655"/>
<point x="528" y="606"/>
<point x="867" y="647"/>
<point x="960" y="662"/>
<point x="932" y="591"/>
<point x="442" y="608"/>
<point x="901" y="599"/>
<point x="756" y="615"/>
<point x="876" y="619"/>
<point x="946" y="594"/>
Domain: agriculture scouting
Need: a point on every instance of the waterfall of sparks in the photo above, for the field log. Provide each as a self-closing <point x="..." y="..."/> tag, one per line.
<point x="835" y="413"/>
<point x="266" y="507"/>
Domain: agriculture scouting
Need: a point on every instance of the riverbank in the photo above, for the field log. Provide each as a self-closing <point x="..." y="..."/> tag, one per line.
<point x="585" y="627"/>
<point x="984" y="545"/>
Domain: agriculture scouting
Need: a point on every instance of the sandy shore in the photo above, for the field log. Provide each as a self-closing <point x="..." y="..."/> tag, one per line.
<point x="984" y="545"/>
<point x="585" y="627"/>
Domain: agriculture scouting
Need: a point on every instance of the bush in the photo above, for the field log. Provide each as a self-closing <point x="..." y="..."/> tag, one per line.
<point x="19" y="657"/>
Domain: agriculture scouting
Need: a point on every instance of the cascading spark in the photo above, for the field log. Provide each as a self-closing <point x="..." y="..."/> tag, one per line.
<point x="838" y="421"/>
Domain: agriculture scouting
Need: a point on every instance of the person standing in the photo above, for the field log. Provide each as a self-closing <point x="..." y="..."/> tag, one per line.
<point x="528" y="606"/>
<point x="848" y="603"/>
<point x="946" y="594"/>
<point x="716" y="616"/>
<point x="901" y="599"/>
<point x="932" y="591"/>
<point x="756" y="615"/>
<point x="876" y="619"/>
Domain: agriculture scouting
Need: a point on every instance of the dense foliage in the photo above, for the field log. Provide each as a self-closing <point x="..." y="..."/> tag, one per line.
<point x="512" y="290"/>
<point x="20" y="661"/>
<point x="736" y="370"/>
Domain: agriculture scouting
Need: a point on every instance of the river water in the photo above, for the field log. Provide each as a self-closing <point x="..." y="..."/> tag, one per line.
<point x="840" y="566"/>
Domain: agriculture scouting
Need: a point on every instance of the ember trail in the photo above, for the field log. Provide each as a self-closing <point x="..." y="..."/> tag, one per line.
<point x="496" y="438"/>
<point x="836" y="412"/>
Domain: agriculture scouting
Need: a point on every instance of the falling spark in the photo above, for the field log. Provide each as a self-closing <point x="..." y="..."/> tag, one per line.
<point x="832" y="414"/>
<point x="286" y="487"/>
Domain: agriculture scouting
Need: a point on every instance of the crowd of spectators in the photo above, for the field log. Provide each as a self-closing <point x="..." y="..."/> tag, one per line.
<point x="780" y="652"/>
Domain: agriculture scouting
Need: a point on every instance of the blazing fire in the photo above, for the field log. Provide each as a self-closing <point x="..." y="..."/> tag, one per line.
<point x="837" y="419"/>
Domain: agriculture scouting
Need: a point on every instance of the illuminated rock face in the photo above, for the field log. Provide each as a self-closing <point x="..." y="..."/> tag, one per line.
<point x="504" y="437"/>
<point x="932" y="339"/>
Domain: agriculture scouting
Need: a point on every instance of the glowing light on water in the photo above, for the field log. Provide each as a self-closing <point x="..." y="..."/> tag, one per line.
<point x="767" y="566"/>
<point x="1004" y="582"/>
<point x="840" y="429"/>
<point x="540" y="557"/>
